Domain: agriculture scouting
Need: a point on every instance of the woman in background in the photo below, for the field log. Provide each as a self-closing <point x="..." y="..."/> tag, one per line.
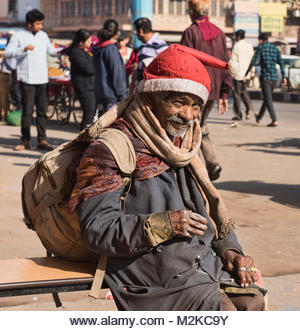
<point x="83" y="75"/>
<point x="109" y="66"/>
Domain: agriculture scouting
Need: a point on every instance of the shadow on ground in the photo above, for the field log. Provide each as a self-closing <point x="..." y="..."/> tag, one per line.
<point x="11" y="142"/>
<point x="281" y="193"/>
<point x="275" y="152"/>
<point x="290" y="142"/>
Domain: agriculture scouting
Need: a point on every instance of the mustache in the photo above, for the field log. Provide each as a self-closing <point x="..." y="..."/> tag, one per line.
<point x="180" y="120"/>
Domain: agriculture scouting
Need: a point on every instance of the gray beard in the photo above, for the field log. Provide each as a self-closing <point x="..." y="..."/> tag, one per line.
<point x="177" y="132"/>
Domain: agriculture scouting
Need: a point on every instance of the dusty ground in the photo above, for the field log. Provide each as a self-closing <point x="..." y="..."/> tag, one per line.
<point x="260" y="184"/>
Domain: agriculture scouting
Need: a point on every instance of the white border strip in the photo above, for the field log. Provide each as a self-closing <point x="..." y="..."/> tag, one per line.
<point x="174" y="84"/>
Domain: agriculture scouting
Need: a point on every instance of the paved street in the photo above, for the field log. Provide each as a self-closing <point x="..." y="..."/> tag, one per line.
<point x="260" y="184"/>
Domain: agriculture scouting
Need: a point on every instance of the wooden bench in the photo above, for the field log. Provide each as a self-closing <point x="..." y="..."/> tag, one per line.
<point x="44" y="275"/>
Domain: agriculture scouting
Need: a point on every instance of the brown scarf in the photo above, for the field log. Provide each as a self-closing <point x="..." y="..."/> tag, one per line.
<point x="148" y="129"/>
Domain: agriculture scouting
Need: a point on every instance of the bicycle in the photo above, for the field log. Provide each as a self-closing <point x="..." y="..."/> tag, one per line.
<point x="62" y="101"/>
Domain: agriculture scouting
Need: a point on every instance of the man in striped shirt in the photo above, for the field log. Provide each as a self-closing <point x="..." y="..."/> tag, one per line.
<point x="151" y="47"/>
<point x="267" y="55"/>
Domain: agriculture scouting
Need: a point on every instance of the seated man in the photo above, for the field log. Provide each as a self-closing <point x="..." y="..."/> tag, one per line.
<point x="173" y="247"/>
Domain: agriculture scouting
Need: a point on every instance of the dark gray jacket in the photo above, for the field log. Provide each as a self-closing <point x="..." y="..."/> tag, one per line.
<point x="178" y="274"/>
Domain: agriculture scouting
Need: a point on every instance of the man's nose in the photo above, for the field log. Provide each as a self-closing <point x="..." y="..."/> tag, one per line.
<point x="187" y="113"/>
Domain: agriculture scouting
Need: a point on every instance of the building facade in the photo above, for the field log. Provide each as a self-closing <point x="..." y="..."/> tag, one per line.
<point x="170" y="17"/>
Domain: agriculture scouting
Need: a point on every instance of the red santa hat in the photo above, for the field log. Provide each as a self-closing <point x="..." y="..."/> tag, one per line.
<point x="180" y="68"/>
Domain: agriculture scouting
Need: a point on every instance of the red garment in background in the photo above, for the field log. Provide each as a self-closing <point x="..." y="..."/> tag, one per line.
<point x="209" y="31"/>
<point x="134" y="57"/>
<point x="221" y="81"/>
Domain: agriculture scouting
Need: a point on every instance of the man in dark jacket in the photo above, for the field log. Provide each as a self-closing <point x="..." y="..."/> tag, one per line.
<point x="206" y="37"/>
<point x="166" y="250"/>
<point x="111" y="85"/>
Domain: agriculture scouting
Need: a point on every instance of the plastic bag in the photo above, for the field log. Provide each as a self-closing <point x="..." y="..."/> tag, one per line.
<point x="14" y="117"/>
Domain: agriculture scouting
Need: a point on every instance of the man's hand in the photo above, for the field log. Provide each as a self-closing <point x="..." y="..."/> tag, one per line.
<point x="29" y="48"/>
<point x="283" y="82"/>
<point x="187" y="224"/>
<point x="223" y="106"/>
<point x="242" y="266"/>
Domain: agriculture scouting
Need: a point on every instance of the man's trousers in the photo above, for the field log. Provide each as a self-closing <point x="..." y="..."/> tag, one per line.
<point x="267" y="87"/>
<point x="207" y="147"/>
<point x="240" y="94"/>
<point x="37" y="95"/>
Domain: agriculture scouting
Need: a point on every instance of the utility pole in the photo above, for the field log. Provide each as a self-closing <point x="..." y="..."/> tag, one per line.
<point x="141" y="8"/>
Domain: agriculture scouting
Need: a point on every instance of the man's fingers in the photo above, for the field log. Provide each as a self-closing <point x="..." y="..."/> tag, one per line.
<point x="242" y="277"/>
<point x="248" y="278"/>
<point x="198" y="218"/>
<point x="197" y="225"/>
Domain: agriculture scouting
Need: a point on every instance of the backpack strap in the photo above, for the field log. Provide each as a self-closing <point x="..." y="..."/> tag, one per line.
<point x="124" y="154"/>
<point x="121" y="148"/>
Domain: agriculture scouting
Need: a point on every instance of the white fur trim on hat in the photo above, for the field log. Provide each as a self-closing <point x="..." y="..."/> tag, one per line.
<point x="174" y="84"/>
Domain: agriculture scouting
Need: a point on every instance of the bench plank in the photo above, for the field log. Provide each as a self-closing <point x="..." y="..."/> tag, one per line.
<point x="43" y="269"/>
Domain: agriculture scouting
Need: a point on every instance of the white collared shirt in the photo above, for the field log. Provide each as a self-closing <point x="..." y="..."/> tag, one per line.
<point x="32" y="67"/>
<point x="242" y="54"/>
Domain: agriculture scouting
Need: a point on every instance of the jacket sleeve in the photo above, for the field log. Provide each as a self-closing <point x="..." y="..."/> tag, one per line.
<point x="13" y="49"/>
<point x="116" y="72"/>
<point x="50" y="49"/>
<point x="187" y="38"/>
<point x="105" y="228"/>
<point x="81" y="63"/>
<point x="226" y="76"/>
<point x="230" y="242"/>
<point x="254" y="60"/>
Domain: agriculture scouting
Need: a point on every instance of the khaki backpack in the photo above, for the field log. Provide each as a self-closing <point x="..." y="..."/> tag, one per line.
<point x="47" y="182"/>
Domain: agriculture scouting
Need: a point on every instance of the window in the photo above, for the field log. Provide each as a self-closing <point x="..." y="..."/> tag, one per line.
<point x="117" y="7"/>
<point x="109" y="7"/>
<point x="79" y="8"/>
<point x="103" y="6"/>
<point x="160" y="6"/>
<point x="221" y="8"/>
<point x="62" y="9"/>
<point x="213" y="9"/>
<point x="91" y="8"/>
<point x="123" y="7"/>
<point x="97" y="7"/>
<point x="85" y="8"/>
<point x="67" y="9"/>
<point x="72" y="8"/>
<point x="171" y="7"/>
<point x="179" y="7"/>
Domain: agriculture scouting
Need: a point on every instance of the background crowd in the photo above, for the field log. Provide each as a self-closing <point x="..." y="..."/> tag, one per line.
<point x="104" y="70"/>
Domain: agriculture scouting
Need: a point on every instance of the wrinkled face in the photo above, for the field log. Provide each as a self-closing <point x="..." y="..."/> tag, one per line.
<point x="177" y="113"/>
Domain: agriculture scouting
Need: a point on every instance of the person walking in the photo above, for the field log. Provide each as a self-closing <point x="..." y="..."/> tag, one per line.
<point x="204" y="36"/>
<point x="242" y="54"/>
<point x="151" y="46"/>
<point x="83" y="75"/>
<point x="267" y="55"/>
<point x="110" y="81"/>
<point x="30" y="47"/>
